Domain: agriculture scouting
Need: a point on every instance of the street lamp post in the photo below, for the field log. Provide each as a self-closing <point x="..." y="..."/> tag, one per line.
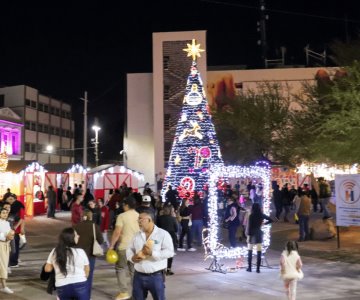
<point x="96" y="128"/>
<point x="124" y="154"/>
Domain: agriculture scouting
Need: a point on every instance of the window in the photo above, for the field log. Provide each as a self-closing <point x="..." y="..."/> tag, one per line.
<point x="27" y="102"/>
<point x="33" y="104"/>
<point x="63" y="114"/>
<point x="57" y="112"/>
<point x="29" y="147"/>
<point x="46" y="108"/>
<point x="15" y="143"/>
<point x="41" y="107"/>
<point x="40" y="128"/>
<point x="167" y="121"/>
<point x="46" y="128"/>
<point x="27" y="125"/>
<point x="2" y="100"/>
<point x="57" y="131"/>
<point x="32" y="126"/>
<point x="166" y="92"/>
<point x="166" y="62"/>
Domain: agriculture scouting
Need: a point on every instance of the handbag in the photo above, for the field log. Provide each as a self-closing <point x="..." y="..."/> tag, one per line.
<point x="50" y="278"/>
<point x="97" y="249"/>
<point x="301" y="274"/>
<point x="226" y="225"/>
<point x="22" y="241"/>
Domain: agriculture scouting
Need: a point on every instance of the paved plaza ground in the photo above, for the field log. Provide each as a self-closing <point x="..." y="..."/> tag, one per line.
<point x="329" y="273"/>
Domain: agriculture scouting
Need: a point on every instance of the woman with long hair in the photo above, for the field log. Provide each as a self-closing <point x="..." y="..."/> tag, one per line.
<point x="86" y="229"/>
<point x="290" y="268"/>
<point x="71" y="267"/>
<point x="255" y="235"/>
<point x="6" y="235"/>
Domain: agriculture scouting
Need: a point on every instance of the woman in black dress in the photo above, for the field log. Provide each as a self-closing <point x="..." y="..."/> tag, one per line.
<point x="255" y="234"/>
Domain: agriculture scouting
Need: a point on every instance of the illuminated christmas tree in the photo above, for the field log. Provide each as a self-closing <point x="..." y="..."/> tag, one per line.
<point x="195" y="147"/>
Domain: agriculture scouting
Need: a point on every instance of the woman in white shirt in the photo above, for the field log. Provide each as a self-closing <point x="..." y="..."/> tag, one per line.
<point x="6" y="235"/>
<point x="71" y="267"/>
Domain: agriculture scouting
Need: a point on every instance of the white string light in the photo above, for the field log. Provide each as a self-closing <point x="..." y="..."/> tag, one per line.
<point x="323" y="170"/>
<point x="259" y="171"/>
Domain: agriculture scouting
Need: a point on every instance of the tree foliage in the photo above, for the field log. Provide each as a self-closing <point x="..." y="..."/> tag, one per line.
<point x="331" y="118"/>
<point x="255" y="126"/>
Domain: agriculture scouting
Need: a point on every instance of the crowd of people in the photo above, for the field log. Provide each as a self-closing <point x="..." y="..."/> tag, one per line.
<point x="304" y="201"/>
<point x="147" y="230"/>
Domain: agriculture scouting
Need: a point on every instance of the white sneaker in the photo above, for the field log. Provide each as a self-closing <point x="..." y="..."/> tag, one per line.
<point x="180" y="249"/>
<point x="6" y="290"/>
<point x="191" y="249"/>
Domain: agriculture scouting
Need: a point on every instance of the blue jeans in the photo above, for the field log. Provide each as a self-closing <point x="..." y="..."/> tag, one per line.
<point x="78" y="291"/>
<point x="303" y="227"/>
<point x="89" y="281"/>
<point x="51" y="209"/>
<point x="14" y="256"/>
<point x="232" y="234"/>
<point x="196" y="231"/>
<point x="144" y="283"/>
<point x="324" y="202"/>
<point x="185" y="230"/>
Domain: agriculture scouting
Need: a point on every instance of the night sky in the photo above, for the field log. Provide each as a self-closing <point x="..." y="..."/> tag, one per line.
<point x="63" y="48"/>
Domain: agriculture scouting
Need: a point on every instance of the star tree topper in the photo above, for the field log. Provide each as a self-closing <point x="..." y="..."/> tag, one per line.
<point x="193" y="50"/>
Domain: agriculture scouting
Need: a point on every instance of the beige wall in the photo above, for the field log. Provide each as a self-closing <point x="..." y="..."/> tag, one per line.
<point x="31" y="93"/>
<point x="294" y="78"/>
<point x="138" y="139"/>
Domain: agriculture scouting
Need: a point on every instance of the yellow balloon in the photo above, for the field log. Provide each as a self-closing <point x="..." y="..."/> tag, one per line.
<point x="111" y="256"/>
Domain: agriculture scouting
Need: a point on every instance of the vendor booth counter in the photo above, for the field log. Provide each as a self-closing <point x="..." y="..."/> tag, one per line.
<point x="105" y="178"/>
<point x="25" y="179"/>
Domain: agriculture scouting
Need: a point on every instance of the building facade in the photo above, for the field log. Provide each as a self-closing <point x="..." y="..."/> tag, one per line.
<point x="11" y="131"/>
<point x="154" y="100"/>
<point x="45" y="122"/>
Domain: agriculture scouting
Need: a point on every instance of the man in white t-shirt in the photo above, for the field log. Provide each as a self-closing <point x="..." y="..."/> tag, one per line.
<point x="149" y="251"/>
<point x="125" y="228"/>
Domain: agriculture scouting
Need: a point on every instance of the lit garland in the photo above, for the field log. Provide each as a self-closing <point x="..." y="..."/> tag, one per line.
<point x="4" y="159"/>
<point x="77" y="169"/>
<point x="195" y="147"/>
<point x="323" y="170"/>
<point x="261" y="171"/>
<point x="139" y="176"/>
<point x="35" y="167"/>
